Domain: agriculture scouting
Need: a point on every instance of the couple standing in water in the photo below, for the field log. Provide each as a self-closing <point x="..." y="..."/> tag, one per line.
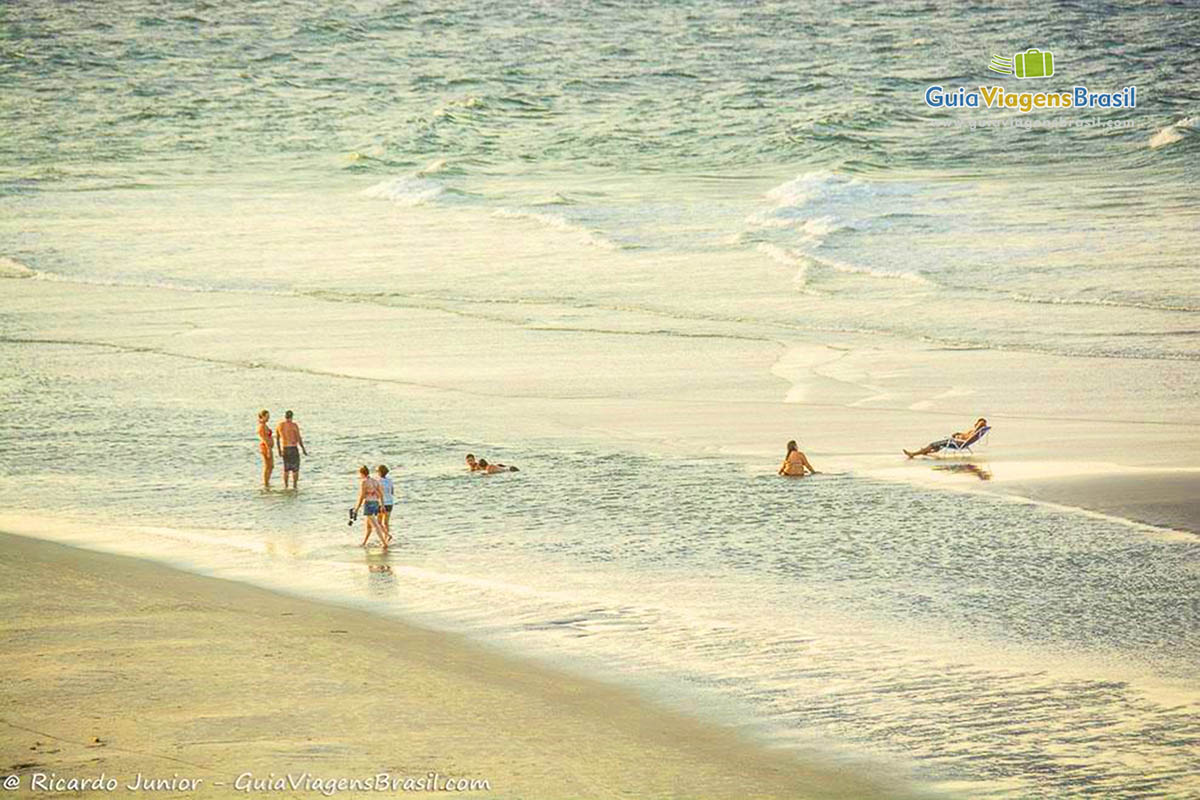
<point x="286" y="441"/>
<point x="376" y="497"/>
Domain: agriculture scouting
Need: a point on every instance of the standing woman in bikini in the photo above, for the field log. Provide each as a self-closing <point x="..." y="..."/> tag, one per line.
<point x="370" y="500"/>
<point x="266" y="447"/>
<point x="795" y="463"/>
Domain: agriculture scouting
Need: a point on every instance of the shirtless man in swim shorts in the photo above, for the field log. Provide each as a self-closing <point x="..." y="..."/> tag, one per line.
<point x="290" y="443"/>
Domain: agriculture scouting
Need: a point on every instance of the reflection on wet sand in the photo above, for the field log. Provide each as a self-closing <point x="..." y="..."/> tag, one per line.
<point x="381" y="580"/>
<point x="979" y="471"/>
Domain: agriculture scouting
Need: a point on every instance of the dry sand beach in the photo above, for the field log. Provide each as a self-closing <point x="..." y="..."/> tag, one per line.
<point x="116" y="667"/>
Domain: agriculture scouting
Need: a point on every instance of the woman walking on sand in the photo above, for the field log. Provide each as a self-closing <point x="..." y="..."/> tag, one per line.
<point x="266" y="447"/>
<point x="370" y="500"/>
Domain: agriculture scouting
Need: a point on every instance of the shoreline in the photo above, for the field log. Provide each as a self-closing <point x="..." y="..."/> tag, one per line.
<point x="1162" y="499"/>
<point x="124" y="666"/>
<point x="840" y="395"/>
<point x="1168" y="499"/>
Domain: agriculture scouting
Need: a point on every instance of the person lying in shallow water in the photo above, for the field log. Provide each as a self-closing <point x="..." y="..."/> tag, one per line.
<point x="491" y="469"/>
<point x="795" y="463"/>
<point x="961" y="436"/>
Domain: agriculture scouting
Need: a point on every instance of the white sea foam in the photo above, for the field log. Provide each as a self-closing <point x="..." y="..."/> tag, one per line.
<point x="559" y="223"/>
<point x="1174" y="132"/>
<point x="14" y="269"/>
<point x="433" y="167"/>
<point x="855" y="269"/>
<point x="952" y="392"/>
<point x="458" y="104"/>
<point x="808" y="204"/>
<point x="1100" y="301"/>
<point x="815" y="205"/>
<point x="167" y="285"/>
<point x="768" y="219"/>
<point x="818" y="228"/>
<point x="803" y="189"/>
<point x="358" y="156"/>
<point x="788" y="259"/>
<point x="407" y="190"/>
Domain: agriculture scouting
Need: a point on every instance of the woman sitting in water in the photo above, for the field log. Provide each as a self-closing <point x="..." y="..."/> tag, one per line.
<point x="795" y="463"/>
<point x="961" y="436"/>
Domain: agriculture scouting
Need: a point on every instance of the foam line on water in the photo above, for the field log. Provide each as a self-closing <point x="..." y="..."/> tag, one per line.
<point x="1174" y="132"/>
<point x="10" y="268"/>
<point x="559" y="223"/>
<point x="406" y="190"/>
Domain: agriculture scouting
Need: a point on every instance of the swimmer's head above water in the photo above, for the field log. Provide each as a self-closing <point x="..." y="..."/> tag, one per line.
<point x="472" y="464"/>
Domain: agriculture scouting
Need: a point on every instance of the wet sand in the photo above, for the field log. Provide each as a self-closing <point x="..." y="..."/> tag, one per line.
<point x="1164" y="499"/>
<point x="118" y="666"/>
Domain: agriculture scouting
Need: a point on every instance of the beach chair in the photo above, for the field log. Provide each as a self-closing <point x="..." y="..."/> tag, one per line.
<point x="954" y="446"/>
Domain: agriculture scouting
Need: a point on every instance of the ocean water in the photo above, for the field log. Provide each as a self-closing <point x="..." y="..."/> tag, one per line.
<point x="599" y="241"/>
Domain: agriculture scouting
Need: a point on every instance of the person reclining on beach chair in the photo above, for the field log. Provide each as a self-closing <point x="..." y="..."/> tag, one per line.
<point x="957" y="442"/>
